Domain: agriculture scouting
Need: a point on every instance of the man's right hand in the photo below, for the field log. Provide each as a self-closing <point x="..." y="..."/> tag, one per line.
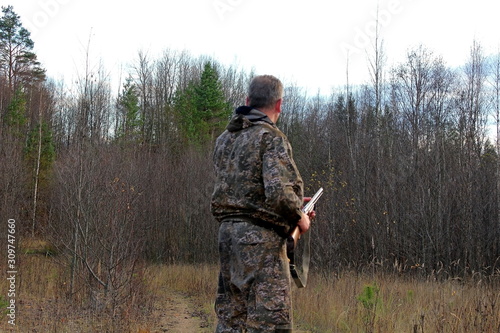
<point x="304" y="223"/>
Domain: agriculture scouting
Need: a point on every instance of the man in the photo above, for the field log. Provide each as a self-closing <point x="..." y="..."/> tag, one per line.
<point x="257" y="199"/>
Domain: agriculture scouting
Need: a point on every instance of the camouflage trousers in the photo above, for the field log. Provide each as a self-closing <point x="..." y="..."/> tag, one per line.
<point x="254" y="291"/>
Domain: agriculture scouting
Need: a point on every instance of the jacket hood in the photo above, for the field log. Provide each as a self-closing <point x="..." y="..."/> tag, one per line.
<point x="244" y="117"/>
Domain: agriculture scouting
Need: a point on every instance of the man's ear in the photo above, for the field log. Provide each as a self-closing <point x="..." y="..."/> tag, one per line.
<point x="247" y="101"/>
<point x="277" y="106"/>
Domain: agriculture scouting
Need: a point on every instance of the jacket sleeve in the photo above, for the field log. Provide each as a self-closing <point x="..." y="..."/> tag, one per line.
<point x="282" y="181"/>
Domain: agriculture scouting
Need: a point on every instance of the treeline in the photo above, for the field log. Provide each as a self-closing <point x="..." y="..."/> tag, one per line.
<point x="411" y="181"/>
<point x="410" y="174"/>
<point x="112" y="182"/>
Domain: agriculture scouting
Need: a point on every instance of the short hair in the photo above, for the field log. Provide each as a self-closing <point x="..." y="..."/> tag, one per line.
<point x="264" y="91"/>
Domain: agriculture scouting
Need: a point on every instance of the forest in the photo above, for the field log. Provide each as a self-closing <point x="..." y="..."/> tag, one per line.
<point x="411" y="173"/>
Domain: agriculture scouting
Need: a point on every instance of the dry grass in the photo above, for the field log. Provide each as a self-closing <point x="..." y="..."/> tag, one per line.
<point x="28" y="245"/>
<point x="198" y="281"/>
<point x="397" y="305"/>
<point x="347" y="303"/>
<point x="340" y="305"/>
<point x="43" y="305"/>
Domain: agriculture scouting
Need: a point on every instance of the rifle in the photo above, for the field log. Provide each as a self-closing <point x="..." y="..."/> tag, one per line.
<point x="291" y="245"/>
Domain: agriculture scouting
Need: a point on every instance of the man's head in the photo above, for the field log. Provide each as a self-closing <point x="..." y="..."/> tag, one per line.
<point x="265" y="93"/>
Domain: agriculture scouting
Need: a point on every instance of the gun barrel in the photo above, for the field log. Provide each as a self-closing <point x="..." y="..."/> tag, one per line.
<point x="310" y="205"/>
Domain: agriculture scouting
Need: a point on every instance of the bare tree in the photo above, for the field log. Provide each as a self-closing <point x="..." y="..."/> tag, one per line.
<point x="496" y="110"/>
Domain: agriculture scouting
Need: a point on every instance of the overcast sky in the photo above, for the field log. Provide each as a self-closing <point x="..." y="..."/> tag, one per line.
<point x="305" y="42"/>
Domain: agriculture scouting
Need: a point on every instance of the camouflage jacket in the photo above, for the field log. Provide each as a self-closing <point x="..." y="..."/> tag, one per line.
<point x="256" y="176"/>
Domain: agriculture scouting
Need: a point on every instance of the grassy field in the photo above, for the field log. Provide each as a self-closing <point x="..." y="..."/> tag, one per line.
<point x="346" y="303"/>
<point x="386" y="303"/>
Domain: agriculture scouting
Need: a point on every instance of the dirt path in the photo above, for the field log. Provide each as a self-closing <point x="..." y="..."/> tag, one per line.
<point x="177" y="313"/>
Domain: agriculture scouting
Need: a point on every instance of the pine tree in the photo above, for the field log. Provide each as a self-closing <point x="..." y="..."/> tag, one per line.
<point x="43" y="150"/>
<point x="128" y="104"/>
<point x="16" y="111"/>
<point x="212" y="106"/>
<point x="202" y="108"/>
<point x="17" y="61"/>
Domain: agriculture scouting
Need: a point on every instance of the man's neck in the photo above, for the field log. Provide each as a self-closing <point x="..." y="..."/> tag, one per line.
<point x="270" y="113"/>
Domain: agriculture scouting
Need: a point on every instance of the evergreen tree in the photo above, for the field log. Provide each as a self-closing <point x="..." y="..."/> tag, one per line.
<point x="202" y="108"/>
<point x="43" y="151"/>
<point x="186" y="112"/>
<point x="128" y="104"/>
<point x="15" y="117"/>
<point x="211" y="104"/>
<point x="17" y="61"/>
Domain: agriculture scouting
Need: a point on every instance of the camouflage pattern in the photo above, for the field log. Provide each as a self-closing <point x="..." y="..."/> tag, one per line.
<point x="256" y="174"/>
<point x="258" y="191"/>
<point x="253" y="293"/>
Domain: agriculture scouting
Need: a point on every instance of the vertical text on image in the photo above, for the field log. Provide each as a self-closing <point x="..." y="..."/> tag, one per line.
<point x="11" y="271"/>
